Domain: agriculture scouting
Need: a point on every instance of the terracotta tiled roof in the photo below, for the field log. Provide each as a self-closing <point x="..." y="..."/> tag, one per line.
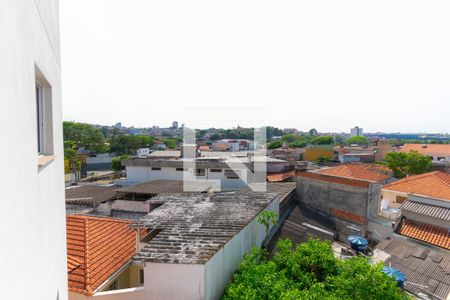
<point x="432" y="184"/>
<point x="357" y="171"/>
<point x="434" y="235"/>
<point x="96" y="249"/>
<point x="428" y="149"/>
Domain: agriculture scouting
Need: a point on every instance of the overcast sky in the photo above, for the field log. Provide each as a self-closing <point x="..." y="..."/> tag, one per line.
<point x="382" y="65"/>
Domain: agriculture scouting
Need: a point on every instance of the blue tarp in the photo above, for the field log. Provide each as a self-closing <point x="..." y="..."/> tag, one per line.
<point x="396" y="274"/>
<point x="358" y="243"/>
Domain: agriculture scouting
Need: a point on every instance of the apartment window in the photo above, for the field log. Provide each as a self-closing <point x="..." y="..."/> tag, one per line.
<point x="400" y="199"/>
<point x="199" y="172"/>
<point x="44" y="119"/>
<point x="156" y="169"/>
<point x="180" y="169"/>
<point x="230" y="174"/>
<point x="141" y="276"/>
<point x="40" y="119"/>
<point x="215" y="170"/>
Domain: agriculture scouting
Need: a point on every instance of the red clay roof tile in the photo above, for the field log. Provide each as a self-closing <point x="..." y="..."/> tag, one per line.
<point x="434" y="235"/>
<point x="358" y="171"/>
<point x="427" y="149"/>
<point x="432" y="184"/>
<point x="96" y="249"/>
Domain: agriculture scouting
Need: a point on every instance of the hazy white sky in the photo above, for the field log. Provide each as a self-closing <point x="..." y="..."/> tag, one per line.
<point x="382" y="65"/>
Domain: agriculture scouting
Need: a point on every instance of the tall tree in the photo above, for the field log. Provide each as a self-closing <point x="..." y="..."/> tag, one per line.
<point x="411" y="163"/>
<point x="84" y="135"/>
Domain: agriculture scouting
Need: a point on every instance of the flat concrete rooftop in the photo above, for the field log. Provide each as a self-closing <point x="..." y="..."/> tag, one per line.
<point x="195" y="226"/>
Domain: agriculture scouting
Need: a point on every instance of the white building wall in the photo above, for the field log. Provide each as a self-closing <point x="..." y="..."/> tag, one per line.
<point x="141" y="174"/>
<point x="221" y="267"/>
<point x="174" y="281"/>
<point x="32" y="214"/>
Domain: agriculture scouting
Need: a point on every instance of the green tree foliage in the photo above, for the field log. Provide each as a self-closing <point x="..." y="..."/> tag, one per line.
<point x="267" y="218"/>
<point x="411" y="163"/>
<point x="309" y="271"/>
<point x="298" y="144"/>
<point x="323" y="140"/>
<point x="290" y="138"/>
<point x="358" y="140"/>
<point x="84" y="135"/>
<point x="273" y="131"/>
<point x="275" y="144"/>
<point x="322" y="159"/>
<point x="129" y="144"/>
<point x="117" y="162"/>
<point x="170" y="143"/>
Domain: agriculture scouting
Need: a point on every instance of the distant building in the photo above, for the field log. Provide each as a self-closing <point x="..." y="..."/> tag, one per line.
<point x="175" y="125"/>
<point x="143" y="152"/>
<point x="356" y="131"/>
<point x="290" y="131"/>
<point x="233" y="145"/>
<point x="118" y="125"/>
<point x="312" y="153"/>
<point x="439" y="153"/>
<point x="204" y="169"/>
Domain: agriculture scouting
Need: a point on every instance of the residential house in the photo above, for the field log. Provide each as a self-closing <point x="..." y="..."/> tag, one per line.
<point x="143" y="152"/>
<point x="439" y="153"/>
<point x="289" y="154"/>
<point x="349" y="154"/>
<point x="198" y="241"/>
<point x="433" y="185"/>
<point x="233" y="145"/>
<point x="32" y="180"/>
<point x="312" y="153"/>
<point x="227" y="173"/>
<point x="347" y="194"/>
<point x="99" y="252"/>
<point x="424" y="202"/>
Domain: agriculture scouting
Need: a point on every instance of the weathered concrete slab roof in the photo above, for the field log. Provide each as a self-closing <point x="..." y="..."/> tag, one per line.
<point x="282" y="189"/>
<point x="195" y="226"/>
<point x="163" y="187"/>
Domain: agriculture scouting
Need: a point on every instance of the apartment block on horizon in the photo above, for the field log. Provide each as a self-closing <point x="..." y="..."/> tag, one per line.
<point x="33" y="266"/>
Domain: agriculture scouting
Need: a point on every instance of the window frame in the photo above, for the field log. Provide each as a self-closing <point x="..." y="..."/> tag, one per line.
<point x="40" y="119"/>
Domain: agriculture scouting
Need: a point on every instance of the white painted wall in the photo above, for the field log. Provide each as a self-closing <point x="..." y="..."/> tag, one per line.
<point x="32" y="214"/>
<point x="182" y="281"/>
<point x="174" y="281"/>
<point x="141" y="174"/>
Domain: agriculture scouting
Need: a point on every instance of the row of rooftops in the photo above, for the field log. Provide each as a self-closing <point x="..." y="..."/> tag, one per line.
<point x="192" y="227"/>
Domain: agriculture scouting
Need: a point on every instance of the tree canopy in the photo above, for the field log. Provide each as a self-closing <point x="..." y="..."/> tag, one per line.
<point x="309" y="271"/>
<point x="411" y="163"/>
<point x="358" y="140"/>
<point x="84" y="135"/>
<point x="323" y="140"/>
<point x="129" y="144"/>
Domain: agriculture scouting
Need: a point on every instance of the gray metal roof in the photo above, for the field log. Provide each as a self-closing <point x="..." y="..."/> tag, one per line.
<point x="195" y="226"/>
<point x="155" y="187"/>
<point x="423" y="266"/>
<point x="427" y="209"/>
<point x="89" y="195"/>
